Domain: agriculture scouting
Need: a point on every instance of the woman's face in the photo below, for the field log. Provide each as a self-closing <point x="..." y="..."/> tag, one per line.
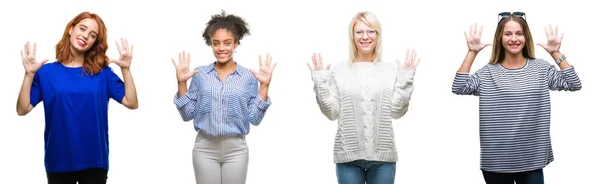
<point x="365" y="38"/>
<point x="223" y="44"/>
<point x="83" y="35"/>
<point x="513" y="38"/>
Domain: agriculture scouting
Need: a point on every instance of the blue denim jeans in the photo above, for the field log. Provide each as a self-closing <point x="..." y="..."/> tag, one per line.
<point x="361" y="171"/>
<point x="528" y="177"/>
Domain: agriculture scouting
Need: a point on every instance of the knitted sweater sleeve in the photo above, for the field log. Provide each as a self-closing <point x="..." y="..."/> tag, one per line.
<point x="327" y="94"/>
<point x="402" y="93"/>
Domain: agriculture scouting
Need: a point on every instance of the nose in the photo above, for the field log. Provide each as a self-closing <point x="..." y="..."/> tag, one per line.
<point x="221" y="47"/>
<point x="513" y="38"/>
<point x="364" y="36"/>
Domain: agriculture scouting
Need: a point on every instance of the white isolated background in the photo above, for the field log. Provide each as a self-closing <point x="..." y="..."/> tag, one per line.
<point x="437" y="139"/>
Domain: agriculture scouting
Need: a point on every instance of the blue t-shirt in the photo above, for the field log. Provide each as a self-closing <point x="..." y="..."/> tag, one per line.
<point x="76" y="114"/>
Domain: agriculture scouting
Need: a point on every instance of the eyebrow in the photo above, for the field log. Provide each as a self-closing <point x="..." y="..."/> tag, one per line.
<point x="83" y="25"/>
<point x="223" y="40"/>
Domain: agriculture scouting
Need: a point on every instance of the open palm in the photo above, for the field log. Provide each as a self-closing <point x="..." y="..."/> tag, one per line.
<point x="28" y="58"/>
<point x="125" y="54"/>
<point x="474" y="38"/>
<point x="182" y="68"/>
<point x="410" y="61"/>
<point x="554" y="41"/>
<point x="265" y="70"/>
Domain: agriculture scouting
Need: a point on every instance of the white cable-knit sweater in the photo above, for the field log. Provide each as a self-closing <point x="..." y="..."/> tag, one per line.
<point x="364" y="97"/>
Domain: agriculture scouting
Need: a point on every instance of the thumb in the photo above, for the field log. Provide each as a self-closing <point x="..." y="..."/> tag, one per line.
<point x="253" y="72"/>
<point x="44" y="61"/>
<point x="113" y="61"/>
<point x="540" y="44"/>
<point x="195" y="72"/>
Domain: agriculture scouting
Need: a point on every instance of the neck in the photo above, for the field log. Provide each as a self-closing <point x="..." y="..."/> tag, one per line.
<point x="514" y="60"/>
<point x="362" y="57"/>
<point x="77" y="60"/>
<point x="227" y="66"/>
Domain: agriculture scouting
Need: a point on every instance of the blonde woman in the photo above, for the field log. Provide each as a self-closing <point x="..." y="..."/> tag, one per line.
<point x="364" y="95"/>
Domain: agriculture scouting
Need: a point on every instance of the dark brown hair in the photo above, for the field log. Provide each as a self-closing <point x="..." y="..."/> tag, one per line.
<point x="232" y="23"/>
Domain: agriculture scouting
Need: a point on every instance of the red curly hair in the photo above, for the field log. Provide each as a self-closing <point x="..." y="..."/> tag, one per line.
<point x="95" y="58"/>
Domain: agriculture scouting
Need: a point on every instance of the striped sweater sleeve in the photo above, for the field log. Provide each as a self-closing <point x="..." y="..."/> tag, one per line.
<point x="327" y="94"/>
<point x="402" y="93"/>
<point x="563" y="80"/>
<point x="465" y="84"/>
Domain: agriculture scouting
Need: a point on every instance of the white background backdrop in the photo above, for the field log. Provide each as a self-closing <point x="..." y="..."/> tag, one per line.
<point x="437" y="139"/>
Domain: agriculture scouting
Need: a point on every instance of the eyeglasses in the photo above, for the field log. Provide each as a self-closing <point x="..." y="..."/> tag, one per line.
<point x="504" y="15"/>
<point x="359" y="33"/>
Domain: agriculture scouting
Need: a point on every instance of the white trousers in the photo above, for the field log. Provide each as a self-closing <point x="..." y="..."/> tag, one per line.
<point x="220" y="160"/>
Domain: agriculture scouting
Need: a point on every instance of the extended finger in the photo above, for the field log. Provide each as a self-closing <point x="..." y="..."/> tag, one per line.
<point x="260" y="61"/>
<point x="417" y="63"/>
<point x="118" y="46"/>
<point x="174" y="63"/>
<point x="480" y="31"/>
<point x="471" y="29"/>
<point x="556" y="31"/>
<point x="414" y="56"/>
<point x="550" y="30"/>
<point x="320" y="60"/>
<point x="313" y="58"/>
<point x="26" y="48"/>
<point x="34" y="49"/>
<point x="406" y="55"/>
<point x="188" y="58"/>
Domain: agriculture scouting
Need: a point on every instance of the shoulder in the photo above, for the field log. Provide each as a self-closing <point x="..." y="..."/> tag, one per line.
<point x="49" y="67"/>
<point x="539" y="62"/>
<point x="203" y="68"/>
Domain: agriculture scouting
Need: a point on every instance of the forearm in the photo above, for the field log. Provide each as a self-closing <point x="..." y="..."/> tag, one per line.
<point x="130" y="91"/>
<point x="402" y="94"/>
<point x="181" y="88"/>
<point x="564" y="64"/>
<point x="23" y="102"/>
<point x="465" y="67"/>
<point x="263" y="91"/>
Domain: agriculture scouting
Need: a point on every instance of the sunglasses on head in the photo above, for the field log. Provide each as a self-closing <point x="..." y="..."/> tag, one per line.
<point x="504" y="15"/>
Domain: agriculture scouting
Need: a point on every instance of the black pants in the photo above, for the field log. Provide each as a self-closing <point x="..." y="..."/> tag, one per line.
<point x="88" y="176"/>
<point x="529" y="177"/>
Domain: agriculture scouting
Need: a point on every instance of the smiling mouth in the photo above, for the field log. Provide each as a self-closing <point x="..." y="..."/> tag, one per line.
<point x="514" y="45"/>
<point x="81" y="42"/>
<point x="365" y="43"/>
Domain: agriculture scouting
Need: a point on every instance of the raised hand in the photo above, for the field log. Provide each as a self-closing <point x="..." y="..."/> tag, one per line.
<point x="410" y="61"/>
<point x="317" y="61"/>
<point x="554" y="41"/>
<point x="28" y="58"/>
<point x="125" y="54"/>
<point x="265" y="70"/>
<point x="183" y="68"/>
<point x="474" y="38"/>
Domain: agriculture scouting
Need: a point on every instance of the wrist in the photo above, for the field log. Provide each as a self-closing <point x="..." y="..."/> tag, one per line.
<point x="556" y="54"/>
<point x="264" y="85"/>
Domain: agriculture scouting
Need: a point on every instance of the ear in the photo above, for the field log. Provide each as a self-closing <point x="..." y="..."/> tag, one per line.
<point x="70" y="31"/>
<point x="235" y="45"/>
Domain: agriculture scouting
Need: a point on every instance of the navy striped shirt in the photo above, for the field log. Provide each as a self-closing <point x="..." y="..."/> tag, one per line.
<point x="514" y="112"/>
<point x="222" y="109"/>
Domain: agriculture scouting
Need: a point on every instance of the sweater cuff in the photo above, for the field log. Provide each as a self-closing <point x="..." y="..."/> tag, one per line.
<point x="405" y="77"/>
<point x="320" y="76"/>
